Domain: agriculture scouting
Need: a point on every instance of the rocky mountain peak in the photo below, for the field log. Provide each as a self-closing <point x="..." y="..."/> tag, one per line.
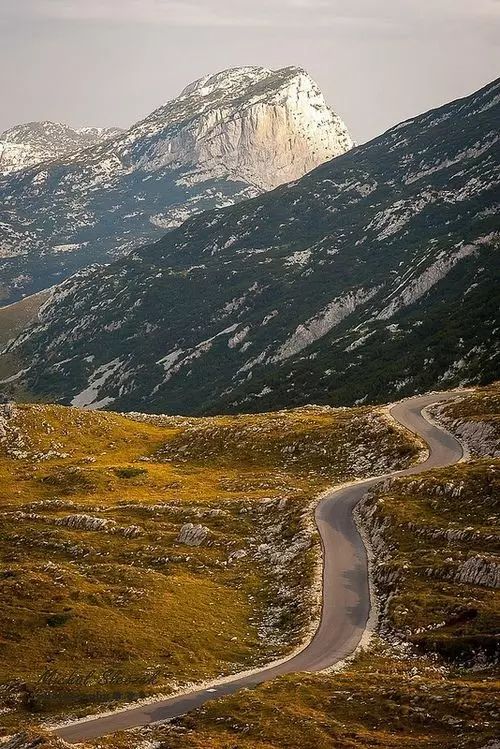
<point x="248" y="124"/>
<point x="226" y="79"/>
<point x="227" y="137"/>
<point x="30" y="143"/>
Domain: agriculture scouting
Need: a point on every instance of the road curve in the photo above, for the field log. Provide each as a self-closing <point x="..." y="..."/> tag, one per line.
<point x="346" y="594"/>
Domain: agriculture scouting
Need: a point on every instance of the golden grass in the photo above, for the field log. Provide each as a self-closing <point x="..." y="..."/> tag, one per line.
<point x="16" y="317"/>
<point x="94" y="600"/>
<point x="418" y="692"/>
<point x="379" y="701"/>
<point x="390" y="697"/>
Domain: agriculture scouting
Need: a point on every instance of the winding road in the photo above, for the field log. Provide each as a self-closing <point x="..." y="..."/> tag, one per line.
<point x="346" y="593"/>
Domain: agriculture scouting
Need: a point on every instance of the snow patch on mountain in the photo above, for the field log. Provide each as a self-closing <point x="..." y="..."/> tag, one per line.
<point x="87" y="398"/>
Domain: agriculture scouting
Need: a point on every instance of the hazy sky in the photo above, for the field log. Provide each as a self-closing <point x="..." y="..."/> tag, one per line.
<point x="110" y="62"/>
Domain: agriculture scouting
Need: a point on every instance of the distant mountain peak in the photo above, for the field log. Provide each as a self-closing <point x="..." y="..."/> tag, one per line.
<point x="28" y="144"/>
<point x="226" y="78"/>
<point x="250" y="124"/>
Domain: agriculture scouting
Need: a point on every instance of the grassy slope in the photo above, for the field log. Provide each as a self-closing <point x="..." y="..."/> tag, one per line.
<point x="413" y="687"/>
<point x="480" y="405"/>
<point x="15" y="317"/>
<point x="85" y="600"/>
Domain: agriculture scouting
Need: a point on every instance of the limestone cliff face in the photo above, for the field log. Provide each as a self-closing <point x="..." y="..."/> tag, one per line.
<point x="259" y="126"/>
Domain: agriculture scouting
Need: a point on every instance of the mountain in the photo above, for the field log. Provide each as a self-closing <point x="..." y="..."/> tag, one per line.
<point x="29" y="144"/>
<point x="227" y="137"/>
<point x="375" y="276"/>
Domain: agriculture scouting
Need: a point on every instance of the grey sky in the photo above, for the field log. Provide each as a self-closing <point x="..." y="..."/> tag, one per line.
<point x="110" y="62"/>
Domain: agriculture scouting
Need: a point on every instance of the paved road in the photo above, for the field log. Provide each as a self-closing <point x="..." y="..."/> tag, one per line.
<point x="346" y="596"/>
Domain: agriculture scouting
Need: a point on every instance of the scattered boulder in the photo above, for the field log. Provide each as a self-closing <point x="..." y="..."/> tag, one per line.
<point x="192" y="535"/>
<point x="131" y="531"/>
<point x="238" y="554"/>
<point x="479" y="570"/>
<point x="86" y="522"/>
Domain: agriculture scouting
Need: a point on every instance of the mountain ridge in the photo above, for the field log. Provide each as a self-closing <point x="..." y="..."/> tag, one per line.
<point x="372" y="277"/>
<point x="30" y="143"/>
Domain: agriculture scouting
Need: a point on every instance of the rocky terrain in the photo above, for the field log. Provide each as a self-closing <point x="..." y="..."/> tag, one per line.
<point x="219" y="509"/>
<point x="226" y="137"/>
<point x="429" y="675"/>
<point x="436" y="563"/>
<point x="141" y="554"/>
<point x="27" y="145"/>
<point x="372" y="277"/>
<point x="474" y="420"/>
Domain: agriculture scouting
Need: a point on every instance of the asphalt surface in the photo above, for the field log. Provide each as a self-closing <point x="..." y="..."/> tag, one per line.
<point x="346" y="593"/>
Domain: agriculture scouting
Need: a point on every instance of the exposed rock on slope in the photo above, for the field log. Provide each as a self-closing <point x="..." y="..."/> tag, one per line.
<point x="435" y="559"/>
<point x="372" y="277"/>
<point x="480" y="437"/>
<point x="192" y="535"/>
<point x="29" y="144"/>
<point x="479" y="570"/>
<point x="252" y="125"/>
<point x="475" y="420"/>
<point x="227" y="137"/>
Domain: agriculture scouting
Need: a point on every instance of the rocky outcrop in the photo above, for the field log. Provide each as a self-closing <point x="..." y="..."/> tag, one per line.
<point x="12" y="440"/>
<point x="476" y="570"/>
<point x="420" y="285"/>
<point x="451" y="535"/>
<point x="253" y="125"/>
<point x="86" y="523"/>
<point x="329" y="317"/>
<point x="192" y="535"/>
<point x="6" y="413"/>
<point x="481" y="438"/>
<point x="91" y="523"/>
<point x="480" y="570"/>
<point x="385" y="577"/>
<point x="238" y="554"/>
